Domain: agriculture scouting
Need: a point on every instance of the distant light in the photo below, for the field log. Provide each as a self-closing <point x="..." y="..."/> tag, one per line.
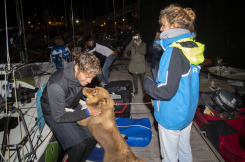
<point x="101" y="25"/>
<point x="77" y="21"/>
<point x="123" y="19"/>
<point x="29" y="22"/>
<point x="93" y="21"/>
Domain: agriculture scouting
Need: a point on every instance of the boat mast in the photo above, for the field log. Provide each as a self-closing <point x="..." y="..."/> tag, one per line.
<point x="7" y="39"/>
<point x="21" y="40"/>
<point x="72" y="19"/>
<point x="24" y="33"/>
<point x="114" y="15"/>
<point x="47" y="20"/>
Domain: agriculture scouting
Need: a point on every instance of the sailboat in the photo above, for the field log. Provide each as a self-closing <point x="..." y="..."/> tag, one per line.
<point x="22" y="136"/>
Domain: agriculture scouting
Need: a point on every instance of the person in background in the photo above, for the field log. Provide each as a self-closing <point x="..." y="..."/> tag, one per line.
<point x="64" y="90"/>
<point x="105" y="50"/>
<point x="60" y="54"/>
<point x="137" y="60"/>
<point x="176" y="89"/>
<point x="127" y="37"/>
<point x="156" y="51"/>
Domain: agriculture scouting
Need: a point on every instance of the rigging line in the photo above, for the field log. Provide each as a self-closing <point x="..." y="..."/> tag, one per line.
<point x="16" y="102"/>
<point x="73" y="39"/>
<point x="65" y="19"/>
<point x="143" y="103"/>
<point x="48" y="135"/>
<point x="6" y="104"/>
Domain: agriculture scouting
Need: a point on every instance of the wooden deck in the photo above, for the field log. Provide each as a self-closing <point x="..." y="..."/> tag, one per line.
<point x="141" y="107"/>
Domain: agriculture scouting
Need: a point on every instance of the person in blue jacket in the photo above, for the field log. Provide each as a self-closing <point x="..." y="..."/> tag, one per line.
<point x="176" y="89"/>
<point x="61" y="54"/>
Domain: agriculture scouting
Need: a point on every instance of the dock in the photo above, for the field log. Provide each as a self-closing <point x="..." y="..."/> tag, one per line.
<point x="141" y="107"/>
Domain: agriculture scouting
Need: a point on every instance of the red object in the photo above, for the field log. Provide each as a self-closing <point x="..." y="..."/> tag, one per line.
<point x="121" y="111"/>
<point x="229" y="147"/>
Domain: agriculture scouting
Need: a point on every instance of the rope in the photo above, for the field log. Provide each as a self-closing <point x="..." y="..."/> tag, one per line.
<point x="16" y="103"/>
<point x="144" y="103"/>
<point x="6" y="102"/>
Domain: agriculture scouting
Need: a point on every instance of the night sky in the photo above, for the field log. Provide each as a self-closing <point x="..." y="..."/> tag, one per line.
<point x="87" y="9"/>
<point x="219" y="23"/>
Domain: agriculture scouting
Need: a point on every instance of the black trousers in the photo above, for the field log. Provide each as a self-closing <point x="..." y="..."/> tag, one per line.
<point x="81" y="151"/>
<point x="135" y="80"/>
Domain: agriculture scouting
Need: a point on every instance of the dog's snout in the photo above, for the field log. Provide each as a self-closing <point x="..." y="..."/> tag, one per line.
<point x="84" y="89"/>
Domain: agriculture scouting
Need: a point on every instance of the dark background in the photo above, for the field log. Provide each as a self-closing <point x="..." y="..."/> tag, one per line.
<point x="219" y="23"/>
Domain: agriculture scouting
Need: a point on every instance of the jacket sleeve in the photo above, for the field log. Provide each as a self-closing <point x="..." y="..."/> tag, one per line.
<point x="166" y="91"/>
<point x="102" y="49"/>
<point x="57" y="104"/>
<point x="142" y="49"/>
<point x="128" y="48"/>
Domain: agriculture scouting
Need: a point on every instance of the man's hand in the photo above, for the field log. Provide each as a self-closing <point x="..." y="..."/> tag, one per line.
<point x="93" y="112"/>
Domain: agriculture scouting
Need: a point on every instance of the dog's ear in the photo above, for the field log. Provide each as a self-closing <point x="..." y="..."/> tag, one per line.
<point x="105" y="101"/>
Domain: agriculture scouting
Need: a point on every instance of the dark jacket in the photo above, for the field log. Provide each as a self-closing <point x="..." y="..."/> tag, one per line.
<point x="156" y="51"/>
<point x="63" y="91"/>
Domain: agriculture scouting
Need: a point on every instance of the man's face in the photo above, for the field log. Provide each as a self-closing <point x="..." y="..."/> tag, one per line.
<point x="139" y="37"/>
<point x="83" y="78"/>
<point x="90" y="43"/>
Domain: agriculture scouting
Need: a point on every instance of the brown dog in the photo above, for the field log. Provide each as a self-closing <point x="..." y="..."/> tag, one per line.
<point x="104" y="128"/>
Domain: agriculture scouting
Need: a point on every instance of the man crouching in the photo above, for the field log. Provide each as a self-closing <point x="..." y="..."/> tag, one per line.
<point x="64" y="89"/>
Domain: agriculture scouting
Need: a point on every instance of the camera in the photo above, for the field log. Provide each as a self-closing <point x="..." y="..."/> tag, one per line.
<point x="136" y="37"/>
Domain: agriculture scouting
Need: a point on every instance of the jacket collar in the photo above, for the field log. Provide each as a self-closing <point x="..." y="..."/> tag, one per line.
<point x="69" y="73"/>
<point x="167" y="42"/>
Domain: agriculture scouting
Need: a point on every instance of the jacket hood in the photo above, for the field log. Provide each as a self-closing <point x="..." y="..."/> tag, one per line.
<point x="69" y="72"/>
<point x="193" y="53"/>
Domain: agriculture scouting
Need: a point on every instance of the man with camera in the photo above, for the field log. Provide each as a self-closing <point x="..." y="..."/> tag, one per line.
<point x="137" y="60"/>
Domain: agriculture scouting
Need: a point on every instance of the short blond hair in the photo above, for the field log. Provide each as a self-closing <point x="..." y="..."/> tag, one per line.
<point x="88" y="63"/>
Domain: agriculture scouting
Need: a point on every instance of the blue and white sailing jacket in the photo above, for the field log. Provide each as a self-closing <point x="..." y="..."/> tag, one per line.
<point x="176" y="89"/>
